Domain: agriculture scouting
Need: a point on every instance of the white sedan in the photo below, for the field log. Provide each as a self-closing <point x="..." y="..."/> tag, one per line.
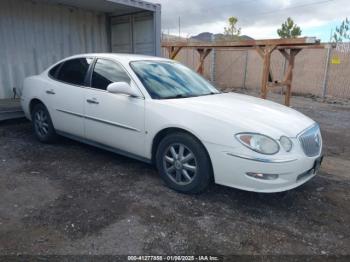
<point x="159" y="111"/>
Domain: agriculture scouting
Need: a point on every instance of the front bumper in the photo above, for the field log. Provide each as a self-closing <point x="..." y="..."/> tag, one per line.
<point x="231" y="170"/>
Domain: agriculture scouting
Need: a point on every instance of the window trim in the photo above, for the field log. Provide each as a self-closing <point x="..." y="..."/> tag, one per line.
<point x="88" y="76"/>
<point x="60" y="67"/>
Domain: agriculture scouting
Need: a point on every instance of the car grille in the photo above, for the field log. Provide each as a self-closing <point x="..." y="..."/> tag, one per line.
<point x="311" y="141"/>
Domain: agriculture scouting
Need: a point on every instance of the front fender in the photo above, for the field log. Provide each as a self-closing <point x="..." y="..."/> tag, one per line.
<point x="160" y="116"/>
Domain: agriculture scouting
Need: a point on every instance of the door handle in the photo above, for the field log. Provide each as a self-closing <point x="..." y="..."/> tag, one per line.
<point x="92" y="101"/>
<point x="50" y="92"/>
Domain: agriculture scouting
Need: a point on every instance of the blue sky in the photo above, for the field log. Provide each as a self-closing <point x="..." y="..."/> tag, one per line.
<point x="258" y="18"/>
<point x="322" y="32"/>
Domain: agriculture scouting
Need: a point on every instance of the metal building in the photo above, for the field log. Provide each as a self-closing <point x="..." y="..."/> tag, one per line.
<point x="36" y="33"/>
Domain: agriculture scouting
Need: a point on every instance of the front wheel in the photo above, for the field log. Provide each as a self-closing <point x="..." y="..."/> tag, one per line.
<point x="183" y="163"/>
<point x="42" y="124"/>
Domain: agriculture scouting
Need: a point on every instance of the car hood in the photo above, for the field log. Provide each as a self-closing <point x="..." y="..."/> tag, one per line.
<point x="247" y="113"/>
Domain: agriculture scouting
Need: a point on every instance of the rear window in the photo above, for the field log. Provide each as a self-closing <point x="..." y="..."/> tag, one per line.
<point x="53" y="72"/>
<point x="72" y="71"/>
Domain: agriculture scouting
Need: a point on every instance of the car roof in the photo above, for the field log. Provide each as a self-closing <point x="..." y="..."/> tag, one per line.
<point x="120" y="57"/>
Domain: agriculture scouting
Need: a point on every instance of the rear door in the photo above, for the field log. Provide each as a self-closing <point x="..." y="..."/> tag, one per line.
<point x="114" y="120"/>
<point x="65" y="97"/>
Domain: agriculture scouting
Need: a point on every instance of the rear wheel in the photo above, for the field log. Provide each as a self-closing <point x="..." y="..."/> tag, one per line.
<point x="183" y="163"/>
<point x="42" y="124"/>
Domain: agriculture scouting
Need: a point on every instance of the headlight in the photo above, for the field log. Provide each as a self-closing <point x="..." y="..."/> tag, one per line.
<point x="286" y="143"/>
<point x="259" y="143"/>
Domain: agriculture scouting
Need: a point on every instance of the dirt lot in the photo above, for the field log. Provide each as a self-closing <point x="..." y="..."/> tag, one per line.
<point x="69" y="198"/>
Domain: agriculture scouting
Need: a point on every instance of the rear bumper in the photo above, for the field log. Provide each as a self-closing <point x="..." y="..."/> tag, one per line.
<point x="231" y="170"/>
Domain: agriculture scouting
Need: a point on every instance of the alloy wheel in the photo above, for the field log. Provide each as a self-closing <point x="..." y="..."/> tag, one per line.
<point x="180" y="164"/>
<point x="41" y="123"/>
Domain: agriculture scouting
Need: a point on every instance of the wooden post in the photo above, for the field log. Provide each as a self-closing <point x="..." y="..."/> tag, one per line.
<point x="203" y="53"/>
<point x="266" y="53"/>
<point x="173" y="51"/>
<point x="289" y="75"/>
<point x="265" y="74"/>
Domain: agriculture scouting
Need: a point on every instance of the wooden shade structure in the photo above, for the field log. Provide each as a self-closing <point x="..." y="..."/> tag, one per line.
<point x="289" y="48"/>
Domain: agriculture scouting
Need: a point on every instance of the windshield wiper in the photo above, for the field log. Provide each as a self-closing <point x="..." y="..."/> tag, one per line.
<point x="186" y="96"/>
<point x="211" y="93"/>
<point x="177" y="96"/>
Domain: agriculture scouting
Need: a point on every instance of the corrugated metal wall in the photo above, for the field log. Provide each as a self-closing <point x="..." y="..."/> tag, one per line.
<point x="34" y="36"/>
<point x="133" y="34"/>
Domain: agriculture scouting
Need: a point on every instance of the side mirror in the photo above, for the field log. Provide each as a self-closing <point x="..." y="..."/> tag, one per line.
<point x="122" y="88"/>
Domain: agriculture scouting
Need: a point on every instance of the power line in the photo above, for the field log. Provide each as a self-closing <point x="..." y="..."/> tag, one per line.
<point x="294" y="7"/>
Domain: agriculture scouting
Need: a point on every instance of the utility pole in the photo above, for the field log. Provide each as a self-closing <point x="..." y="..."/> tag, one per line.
<point x="179" y="26"/>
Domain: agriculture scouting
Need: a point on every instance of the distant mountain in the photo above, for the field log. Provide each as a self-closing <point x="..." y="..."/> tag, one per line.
<point x="246" y="37"/>
<point x="173" y="38"/>
<point x="207" y="37"/>
<point x="202" y="37"/>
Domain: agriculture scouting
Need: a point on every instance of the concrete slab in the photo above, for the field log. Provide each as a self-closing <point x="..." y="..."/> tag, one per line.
<point x="10" y="109"/>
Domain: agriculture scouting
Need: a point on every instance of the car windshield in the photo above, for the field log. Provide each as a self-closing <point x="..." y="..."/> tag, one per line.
<point x="166" y="80"/>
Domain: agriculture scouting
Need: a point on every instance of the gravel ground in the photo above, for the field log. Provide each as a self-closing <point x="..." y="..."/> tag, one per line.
<point x="70" y="198"/>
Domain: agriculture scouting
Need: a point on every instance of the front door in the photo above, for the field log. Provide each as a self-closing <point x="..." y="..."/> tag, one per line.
<point x="113" y="120"/>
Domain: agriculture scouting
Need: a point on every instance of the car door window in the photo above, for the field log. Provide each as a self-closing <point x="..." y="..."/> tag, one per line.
<point x="54" y="71"/>
<point x="106" y="72"/>
<point x="74" y="71"/>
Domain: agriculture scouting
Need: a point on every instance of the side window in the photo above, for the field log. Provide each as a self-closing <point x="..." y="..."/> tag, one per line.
<point x="53" y="72"/>
<point x="74" y="71"/>
<point x="107" y="72"/>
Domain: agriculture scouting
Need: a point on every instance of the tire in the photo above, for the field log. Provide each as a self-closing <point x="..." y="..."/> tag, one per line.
<point x="42" y="124"/>
<point x="174" y="156"/>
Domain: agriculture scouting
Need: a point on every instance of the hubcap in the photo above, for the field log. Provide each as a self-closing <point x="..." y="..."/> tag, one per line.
<point x="180" y="164"/>
<point x="41" y="123"/>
